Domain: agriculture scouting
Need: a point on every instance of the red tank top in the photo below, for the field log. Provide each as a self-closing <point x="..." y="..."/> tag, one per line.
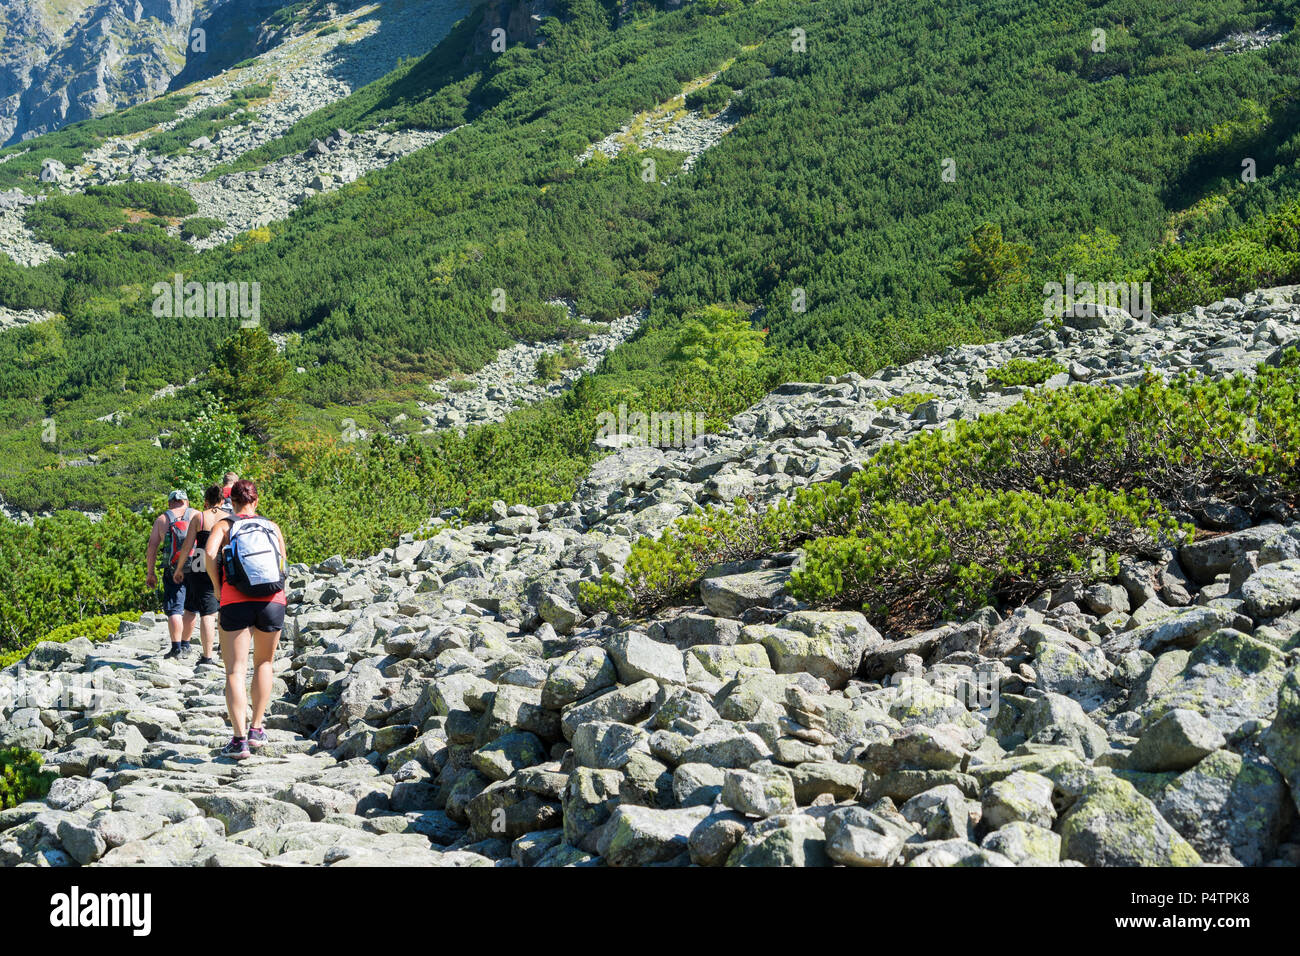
<point x="232" y="595"/>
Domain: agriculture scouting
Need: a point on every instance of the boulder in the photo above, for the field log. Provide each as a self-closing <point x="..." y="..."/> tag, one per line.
<point x="1175" y="741"/>
<point x="1112" y="824"/>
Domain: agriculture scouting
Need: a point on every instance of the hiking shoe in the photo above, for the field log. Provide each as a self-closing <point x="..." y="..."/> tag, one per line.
<point x="173" y="652"/>
<point x="185" y="649"/>
<point x="237" y="749"/>
<point x="256" y="737"/>
<point x="204" y="660"/>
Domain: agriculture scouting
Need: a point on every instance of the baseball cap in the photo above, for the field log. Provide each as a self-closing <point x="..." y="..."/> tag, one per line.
<point x="178" y="494"/>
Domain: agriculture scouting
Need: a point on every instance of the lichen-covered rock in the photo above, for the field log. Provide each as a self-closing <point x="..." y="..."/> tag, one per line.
<point x="1018" y="798"/>
<point x="714" y="837"/>
<point x="508" y="754"/>
<point x="239" y="811"/>
<point x="958" y="853"/>
<point x="589" y="799"/>
<point x="578" y="675"/>
<point x="1229" y="678"/>
<point x="826" y="644"/>
<point x="1282" y="739"/>
<point x="1081" y="673"/>
<point x="1112" y="824"/>
<point x="855" y="836"/>
<point x="1175" y="741"/>
<point x="1025" y="844"/>
<point x="944" y="813"/>
<point x="1231" y="808"/>
<point x="727" y="595"/>
<point x="1273" y="590"/>
<point x="1204" y="559"/>
<point x="637" y="657"/>
<point x="794" y="839"/>
<point x="758" y="794"/>
<point x="636" y="836"/>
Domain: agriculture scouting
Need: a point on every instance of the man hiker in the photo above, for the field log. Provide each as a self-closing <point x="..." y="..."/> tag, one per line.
<point x="227" y="483"/>
<point x="191" y="570"/>
<point x="169" y="530"/>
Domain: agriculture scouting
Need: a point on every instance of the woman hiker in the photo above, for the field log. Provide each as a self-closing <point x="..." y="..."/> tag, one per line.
<point x="246" y="558"/>
<point x="191" y="568"/>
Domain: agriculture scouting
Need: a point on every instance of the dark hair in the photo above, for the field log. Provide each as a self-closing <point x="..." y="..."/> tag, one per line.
<point x="243" y="492"/>
<point x="212" y="496"/>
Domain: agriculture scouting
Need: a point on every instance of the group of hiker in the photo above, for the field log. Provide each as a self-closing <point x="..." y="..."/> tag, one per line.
<point x="224" y="566"/>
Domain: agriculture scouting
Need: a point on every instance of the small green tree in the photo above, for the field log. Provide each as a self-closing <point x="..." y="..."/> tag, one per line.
<point x="253" y="380"/>
<point x="213" y="443"/>
<point x="990" y="264"/>
<point x="718" y="337"/>
<point x="547" y="368"/>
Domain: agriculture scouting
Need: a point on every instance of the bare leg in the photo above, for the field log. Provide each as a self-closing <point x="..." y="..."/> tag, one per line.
<point x="207" y="632"/>
<point x="234" y="654"/>
<point x="264" y="643"/>
<point x="175" y="623"/>
<point x="187" y="626"/>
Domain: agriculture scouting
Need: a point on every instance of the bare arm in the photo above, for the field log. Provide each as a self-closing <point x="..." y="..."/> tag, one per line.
<point x="151" y="552"/>
<point x="215" y="539"/>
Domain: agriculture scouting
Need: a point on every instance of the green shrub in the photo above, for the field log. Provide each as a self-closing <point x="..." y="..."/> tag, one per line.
<point x="66" y="567"/>
<point x="1265" y="251"/>
<point x="101" y="628"/>
<point x="953" y="556"/>
<point x="989" y="507"/>
<point x="254" y="91"/>
<point x="710" y="99"/>
<point x="161" y="199"/>
<point x="1025" y="372"/>
<point x="68" y="222"/>
<point x="551" y="365"/>
<point x="744" y="72"/>
<point x="207" y="123"/>
<point x="200" y="227"/>
<point x="908" y="401"/>
<point x="1182" y="442"/>
<point x="666" y="569"/>
<point x="21" y="778"/>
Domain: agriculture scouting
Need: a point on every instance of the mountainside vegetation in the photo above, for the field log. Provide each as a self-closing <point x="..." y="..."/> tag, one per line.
<point x="905" y="176"/>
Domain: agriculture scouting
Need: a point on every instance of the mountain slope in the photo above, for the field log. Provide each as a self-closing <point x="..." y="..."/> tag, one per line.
<point x="821" y="216"/>
<point x="455" y="700"/>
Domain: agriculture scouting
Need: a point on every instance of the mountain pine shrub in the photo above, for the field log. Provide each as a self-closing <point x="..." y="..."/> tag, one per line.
<point x="954" y="555"/>
<point x="907" y="402"/>
<point x="100" y="628"/>
<point x="1055" y="488"/>
<point x="21" y="778"/>
<point x="1025" y="372"/>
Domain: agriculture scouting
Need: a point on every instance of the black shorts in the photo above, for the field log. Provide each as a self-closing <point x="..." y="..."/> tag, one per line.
<point x="200" y="598"/>
<point x="262" y="615"/>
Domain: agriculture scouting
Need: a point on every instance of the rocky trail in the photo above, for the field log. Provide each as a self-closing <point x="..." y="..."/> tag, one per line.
<point x="451" y="701"/>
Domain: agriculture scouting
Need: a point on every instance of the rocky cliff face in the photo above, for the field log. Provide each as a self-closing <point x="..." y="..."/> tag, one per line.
<point x="64" y="62"/>
<point x="67" y="62"/>
<point x="450" y="702"/>
<point x="519" y="18"/>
